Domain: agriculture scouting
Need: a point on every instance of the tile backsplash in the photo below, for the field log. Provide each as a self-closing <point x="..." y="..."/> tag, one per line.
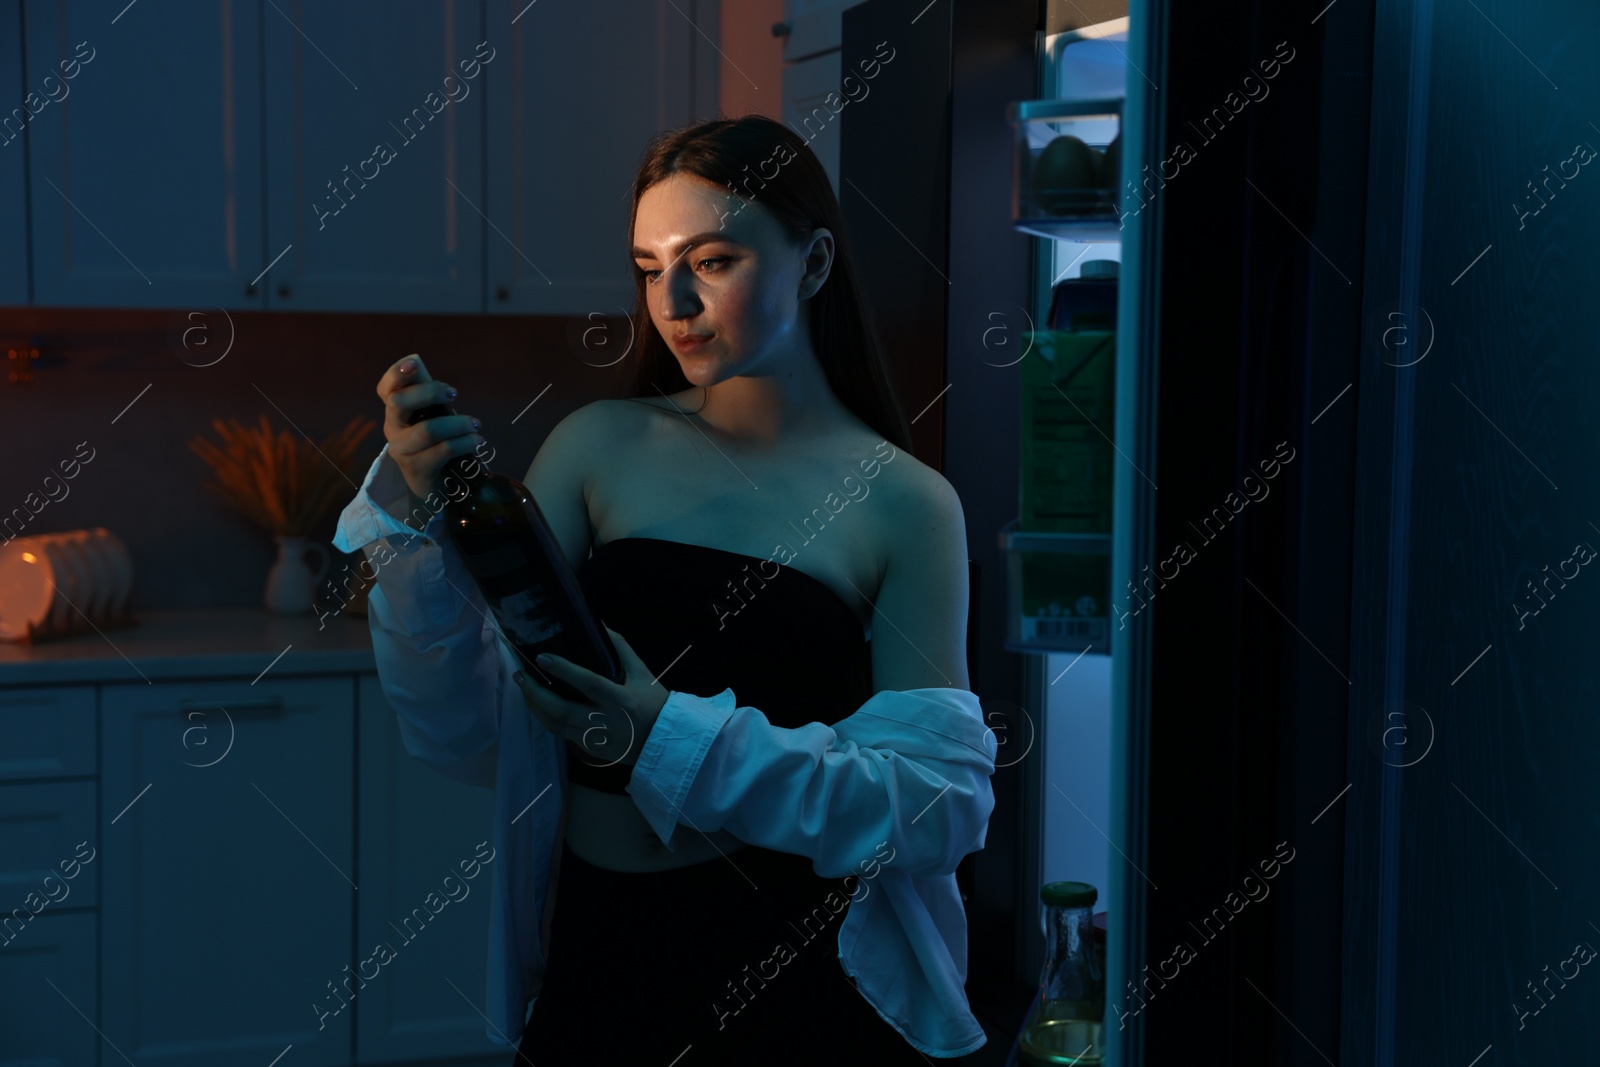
<point x="121" y="387"/>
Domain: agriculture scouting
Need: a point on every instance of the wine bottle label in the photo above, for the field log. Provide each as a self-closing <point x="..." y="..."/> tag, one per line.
<point x="526" y="619"/>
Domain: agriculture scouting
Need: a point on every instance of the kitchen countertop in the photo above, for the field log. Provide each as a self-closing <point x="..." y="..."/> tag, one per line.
<point x="195" y="643"/>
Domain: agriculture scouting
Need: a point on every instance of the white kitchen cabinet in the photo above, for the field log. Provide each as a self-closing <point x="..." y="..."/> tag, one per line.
<point x="374" y="155"/>
<point x="228" y="869"/>
<point x="417" y="830"/>
<point x="13" y="172"/>
<point x="144" y="179"/>
<point x="249" y="825"/>
<point x="49" y="978"/>
<point x="806" y="88"/>
<point x="49" y="732"/>
<point x="814" y="27"/>
<point x="47" y="833"/>
<point x="49" y="880"/>
<point x="405" y="156"/>
<point x="576" y="93"/>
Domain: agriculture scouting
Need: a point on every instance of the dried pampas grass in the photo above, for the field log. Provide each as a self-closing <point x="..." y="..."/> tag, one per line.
<point x="284" y="484"/>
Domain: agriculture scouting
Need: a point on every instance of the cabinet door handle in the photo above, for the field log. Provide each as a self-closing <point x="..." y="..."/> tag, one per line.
<point x="283" y="290"/>
<point x="781" y="29"/>
<point x="255" y="704"/>
<point x="249" y="290"/>
<point x="502" y="293"/>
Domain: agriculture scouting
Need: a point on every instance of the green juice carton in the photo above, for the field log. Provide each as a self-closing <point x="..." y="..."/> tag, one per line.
<point x="1068" y="382"/>
<point x="1068" y="408"/>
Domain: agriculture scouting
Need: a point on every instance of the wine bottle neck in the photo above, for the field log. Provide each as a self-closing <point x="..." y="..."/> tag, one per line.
<point x="467" y="469"/>
<point x="460" y="472"/>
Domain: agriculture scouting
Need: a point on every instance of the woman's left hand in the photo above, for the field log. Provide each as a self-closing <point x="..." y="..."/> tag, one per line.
<point x="613" y="729"/>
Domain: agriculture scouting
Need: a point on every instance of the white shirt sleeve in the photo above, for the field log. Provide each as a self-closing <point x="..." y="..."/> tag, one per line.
<point x="910" y="768"/>
<point x="441" y="660"/>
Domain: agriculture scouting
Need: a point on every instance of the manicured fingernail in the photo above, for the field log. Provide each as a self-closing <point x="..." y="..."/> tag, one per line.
<point x="451" y="395"/>
<point x="408" y="366"/>
<point x="518" y="677"/>
<point x="544" y="659"/>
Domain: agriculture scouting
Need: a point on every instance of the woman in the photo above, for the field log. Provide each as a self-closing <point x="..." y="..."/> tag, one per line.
<point x="766" y="410"/>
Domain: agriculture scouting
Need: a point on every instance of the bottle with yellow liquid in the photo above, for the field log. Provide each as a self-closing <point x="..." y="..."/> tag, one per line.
<point x="1064" y="1024"/>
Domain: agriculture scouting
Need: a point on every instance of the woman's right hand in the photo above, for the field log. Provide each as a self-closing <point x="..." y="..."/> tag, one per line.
<point x="422" y="450"/>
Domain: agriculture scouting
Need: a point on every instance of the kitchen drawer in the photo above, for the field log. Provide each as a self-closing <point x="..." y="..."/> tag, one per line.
<point x="42" y="826"/>
<point x="49" y="732"/>
<point x="41" y="1026"/>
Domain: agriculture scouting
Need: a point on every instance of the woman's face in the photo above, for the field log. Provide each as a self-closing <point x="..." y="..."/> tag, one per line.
<point x="741" y="282"/>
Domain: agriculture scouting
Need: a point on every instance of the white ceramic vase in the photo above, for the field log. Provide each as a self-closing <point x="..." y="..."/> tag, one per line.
<point x="291" y="583"/>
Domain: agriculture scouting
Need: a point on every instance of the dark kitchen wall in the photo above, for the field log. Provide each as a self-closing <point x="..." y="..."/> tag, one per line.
<point x="314" y="371"/>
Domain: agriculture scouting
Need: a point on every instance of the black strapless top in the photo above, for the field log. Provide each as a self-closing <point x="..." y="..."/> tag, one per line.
<point x="786" y="644"/>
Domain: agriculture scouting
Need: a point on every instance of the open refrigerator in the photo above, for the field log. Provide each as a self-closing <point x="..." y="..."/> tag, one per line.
<point x="1062" y="611"/>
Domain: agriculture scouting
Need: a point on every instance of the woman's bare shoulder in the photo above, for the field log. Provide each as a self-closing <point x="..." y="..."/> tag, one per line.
<point x="623" y="414"/>
<point x="612" y="428"/>
<point x="581" y="441"/>
<point x="914" y="500"/>
<point x="606" y="417"/>
<point x="577" y="431"/>
<point x="911" y="482"/>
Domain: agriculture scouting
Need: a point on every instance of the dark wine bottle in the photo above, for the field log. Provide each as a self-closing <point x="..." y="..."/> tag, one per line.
<point x="519" y="566"/>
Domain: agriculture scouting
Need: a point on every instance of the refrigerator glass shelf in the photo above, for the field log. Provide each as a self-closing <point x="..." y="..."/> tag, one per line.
<point x="1115" y="29"/>
<point x="1062" y="185"/>
<point x="1013" y="539"/>
<point x="1089" y="63"/>
<point x="1058" y="591"/>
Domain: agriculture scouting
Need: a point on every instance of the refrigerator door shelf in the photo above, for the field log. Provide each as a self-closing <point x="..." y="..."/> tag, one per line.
<point x="1057" y="591"/>
<point x="1065" y="164"/>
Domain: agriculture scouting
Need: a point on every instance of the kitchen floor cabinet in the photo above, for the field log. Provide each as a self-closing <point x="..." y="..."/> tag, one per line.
<point x="245" y="847"/>
<point x="48" y="974"/>
<point x="425" y="894"/>
<point x="48" y="898"/>
<point x="227" y="847"/>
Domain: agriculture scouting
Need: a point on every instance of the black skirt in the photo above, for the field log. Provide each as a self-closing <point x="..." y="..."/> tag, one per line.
<point x="729" y="961"/>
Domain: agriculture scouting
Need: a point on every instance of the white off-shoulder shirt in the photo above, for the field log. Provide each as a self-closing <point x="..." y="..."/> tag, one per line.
<point x="909" y="769"/>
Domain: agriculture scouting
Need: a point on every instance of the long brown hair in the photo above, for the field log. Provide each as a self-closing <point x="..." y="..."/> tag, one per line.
<point x="730" y="152"/>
